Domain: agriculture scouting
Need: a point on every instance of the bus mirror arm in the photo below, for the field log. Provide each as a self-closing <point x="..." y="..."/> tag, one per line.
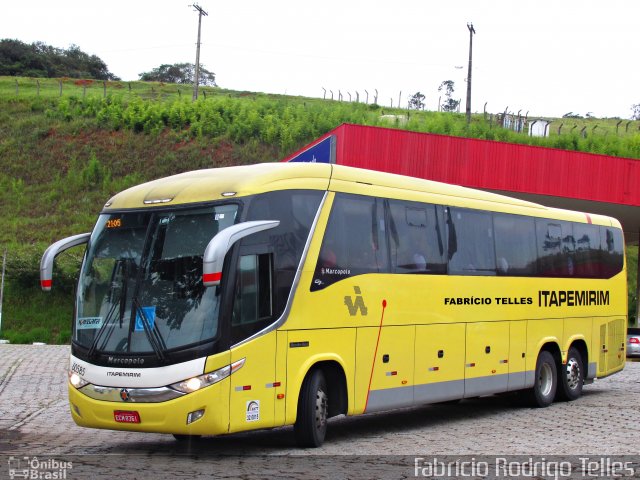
<point x="219" y="245"/>
<point x="46" y="263"/>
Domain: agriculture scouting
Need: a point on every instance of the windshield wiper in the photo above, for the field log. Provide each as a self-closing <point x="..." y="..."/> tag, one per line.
<point x="153" y="333"/>
<point x="120" y="303"/>
<point x="103" y="327"/>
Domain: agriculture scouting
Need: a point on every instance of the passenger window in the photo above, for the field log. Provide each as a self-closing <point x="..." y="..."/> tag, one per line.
<point x="515" y="245"/>
<point x="612" y="246"/>
<point x="587" y="250"/>
<point x="555" y="248"/>
<point x="470" y="242"/>
<point x="416" y="238"/>
<point x="253" y="303"/>
<point x="354" y="241"/>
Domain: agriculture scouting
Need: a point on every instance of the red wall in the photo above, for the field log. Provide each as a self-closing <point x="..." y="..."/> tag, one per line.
<point x="490" y="164"/>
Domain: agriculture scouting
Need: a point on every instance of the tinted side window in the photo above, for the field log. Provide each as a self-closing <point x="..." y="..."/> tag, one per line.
<point x="612" y="244"/>
<point x="515" y="238"/>
<point x="555" y="248"/>
<point x="587" y="250"/>
<point x="470" y="242"/>
<point x="416" y="238"/>
<point x="354" y="241"/>
<point x="269" y="260"/>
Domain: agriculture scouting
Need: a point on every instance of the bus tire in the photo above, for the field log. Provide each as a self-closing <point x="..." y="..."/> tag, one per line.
<point x="313" y="408"/>
<point x="571" y="376"/>
<point x="546" y="381"/>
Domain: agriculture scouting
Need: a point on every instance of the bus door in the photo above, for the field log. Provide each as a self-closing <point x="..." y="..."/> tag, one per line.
<point x="254" y="384"/>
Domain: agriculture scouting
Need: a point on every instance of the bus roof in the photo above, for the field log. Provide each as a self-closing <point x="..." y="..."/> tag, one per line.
<point x="207" y="185"/>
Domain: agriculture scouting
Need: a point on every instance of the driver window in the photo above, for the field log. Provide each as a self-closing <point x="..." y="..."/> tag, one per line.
<point x="253" y="302"/>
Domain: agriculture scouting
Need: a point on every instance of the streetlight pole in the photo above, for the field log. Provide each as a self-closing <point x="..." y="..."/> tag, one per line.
<point x="196" y="81"/>
<point x="471" y="33"/>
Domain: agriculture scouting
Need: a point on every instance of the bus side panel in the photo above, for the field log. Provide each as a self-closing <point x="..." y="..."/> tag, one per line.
<point x="392" y="377"/>
<point x="308" y="347"/>
<point x="616" y="339"/>
<point x="439" y="365"/>
<point x="517" y="355"/>
<point x="252" y="394"/>
<point x="540" y="332"/>
<point x="577" y="329"/>
<point x="486" y="364"/>
<point x="281" y="377"/>
<point x="610" y="335"/>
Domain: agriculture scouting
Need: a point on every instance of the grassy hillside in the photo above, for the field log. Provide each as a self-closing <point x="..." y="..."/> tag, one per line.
<point x="66" y="146"/>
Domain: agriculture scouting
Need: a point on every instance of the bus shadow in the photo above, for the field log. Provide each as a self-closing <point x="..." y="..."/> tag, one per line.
<point x="281" y="441"/>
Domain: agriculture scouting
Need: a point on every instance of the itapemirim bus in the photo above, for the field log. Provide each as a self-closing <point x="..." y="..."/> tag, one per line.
<point x="251" y="297"/>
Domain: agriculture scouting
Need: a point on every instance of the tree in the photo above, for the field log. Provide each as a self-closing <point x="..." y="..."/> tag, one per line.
<point x="44" y="61"/>
<point x="449" y="105"/>
<point x="635" y="111"/>
<point x="181" y="73"/>
<point x="416" y="101"/>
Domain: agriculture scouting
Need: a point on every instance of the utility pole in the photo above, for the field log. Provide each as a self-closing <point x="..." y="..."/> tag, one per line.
<point x="196" y="81"/>
<point x="4" y="263"/>
<point x="471" y="33"/>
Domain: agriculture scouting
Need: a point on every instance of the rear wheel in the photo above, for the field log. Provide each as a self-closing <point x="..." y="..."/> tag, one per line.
<point x="571" y="376"/>
<point x="313" y="408"/>
<point x="546" y="381"/>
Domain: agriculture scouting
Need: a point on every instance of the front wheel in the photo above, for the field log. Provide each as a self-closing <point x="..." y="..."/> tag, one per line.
<point x="571" y="376"/>
<point x="545" y="386"/>
<point x="313" y="408"/>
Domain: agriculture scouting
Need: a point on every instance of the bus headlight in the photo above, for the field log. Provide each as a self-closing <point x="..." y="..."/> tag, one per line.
<point x="201" y="381"/>
<point x="76" y="380"/>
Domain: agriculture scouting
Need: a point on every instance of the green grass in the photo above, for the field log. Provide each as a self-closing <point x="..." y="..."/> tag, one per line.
<point x="62" y="155"/>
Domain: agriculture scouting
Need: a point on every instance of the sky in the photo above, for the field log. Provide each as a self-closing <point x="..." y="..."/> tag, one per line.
<point x="544" y="57"/>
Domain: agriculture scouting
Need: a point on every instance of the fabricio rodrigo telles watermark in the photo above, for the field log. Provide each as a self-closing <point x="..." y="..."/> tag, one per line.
<point x="531" y="467"/>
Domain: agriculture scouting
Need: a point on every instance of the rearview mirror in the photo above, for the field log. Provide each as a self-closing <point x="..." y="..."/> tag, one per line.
<point x="46" y="263"/>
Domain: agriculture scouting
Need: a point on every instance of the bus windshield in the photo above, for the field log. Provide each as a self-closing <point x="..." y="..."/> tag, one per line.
<point x="140" y="287"/>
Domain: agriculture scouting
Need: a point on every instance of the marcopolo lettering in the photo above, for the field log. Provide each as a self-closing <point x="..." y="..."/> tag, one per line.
<point x="572" y="298"/>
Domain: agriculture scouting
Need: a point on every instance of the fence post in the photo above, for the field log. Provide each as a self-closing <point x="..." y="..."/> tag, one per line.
<point x="60" y="84"/>
<point x="38" y="83"/>
<point x="104" y="89"/>
<point x="16" y="87"/>
<point x="84" y="89"/>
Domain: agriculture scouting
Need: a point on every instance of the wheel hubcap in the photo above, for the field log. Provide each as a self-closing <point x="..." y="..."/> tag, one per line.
<point x="545" y="380"/>
<point x="322" y="405"/>
<point x="573" y="373"/>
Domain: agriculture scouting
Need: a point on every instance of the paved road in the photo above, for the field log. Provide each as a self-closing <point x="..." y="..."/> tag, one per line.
<point x="34" y="421"/>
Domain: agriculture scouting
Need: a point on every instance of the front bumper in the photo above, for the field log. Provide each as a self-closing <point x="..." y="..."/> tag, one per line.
<point x="161" y="417"/>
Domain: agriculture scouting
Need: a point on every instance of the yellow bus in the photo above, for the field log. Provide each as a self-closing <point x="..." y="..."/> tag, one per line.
<point x="250" y="297"/>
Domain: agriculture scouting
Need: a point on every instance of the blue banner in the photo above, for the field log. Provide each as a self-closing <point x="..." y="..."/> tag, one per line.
<point x="321" y="152"/>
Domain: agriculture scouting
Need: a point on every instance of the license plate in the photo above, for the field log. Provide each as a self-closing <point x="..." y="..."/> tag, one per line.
<point x="124" y="416"/>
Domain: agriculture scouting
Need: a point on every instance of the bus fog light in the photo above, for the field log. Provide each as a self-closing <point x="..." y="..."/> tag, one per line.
<point x="76" y="409"/>
<point x="193" y="416"/>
